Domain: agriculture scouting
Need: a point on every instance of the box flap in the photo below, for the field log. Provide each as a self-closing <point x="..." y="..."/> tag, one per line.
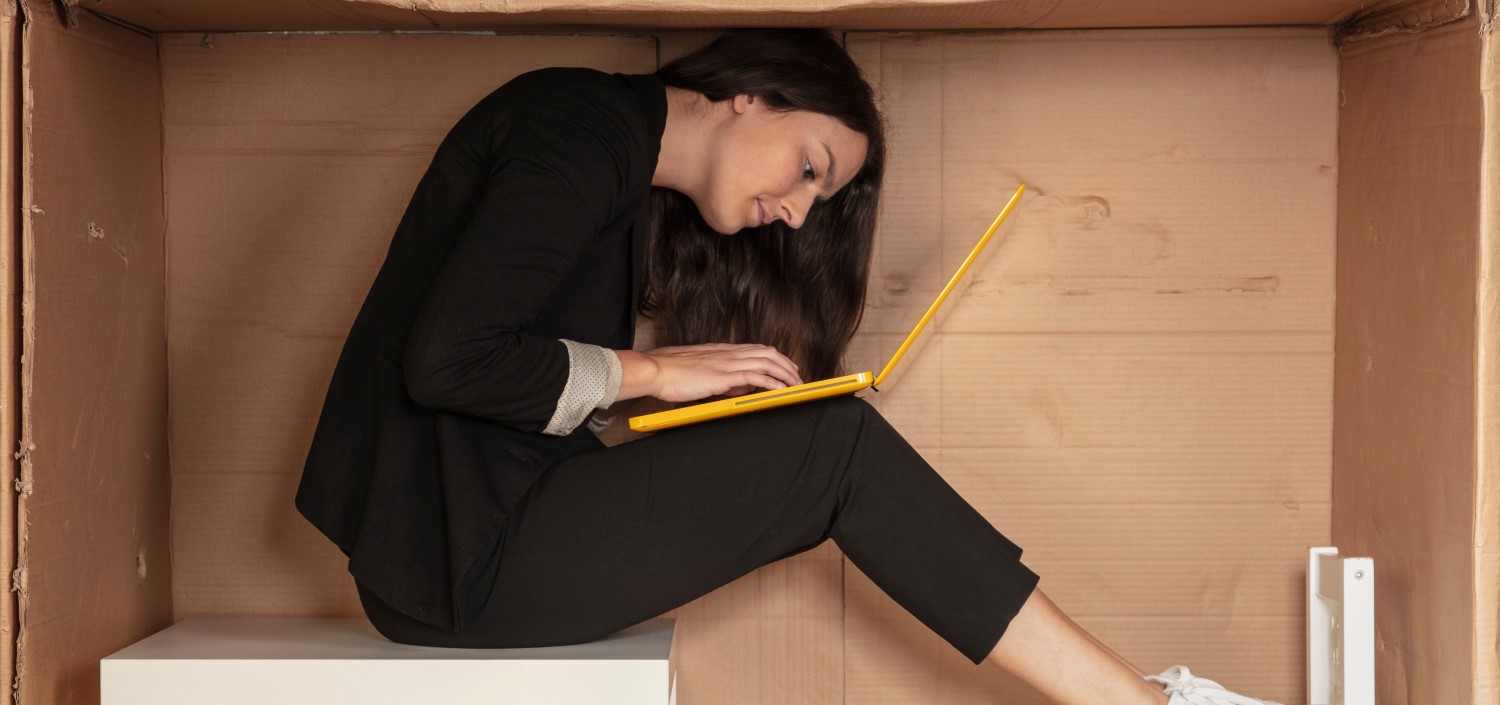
<point x="193" y="15"/>
<point x="1412" y="359"/>
<point x="94" y="571"/>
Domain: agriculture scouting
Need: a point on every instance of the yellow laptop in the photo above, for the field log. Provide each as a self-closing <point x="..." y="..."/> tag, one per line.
<point x="808" y="391"/>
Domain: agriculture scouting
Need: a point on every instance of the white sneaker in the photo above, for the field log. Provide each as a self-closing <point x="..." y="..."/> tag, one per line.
<point x="1184" y="688"/>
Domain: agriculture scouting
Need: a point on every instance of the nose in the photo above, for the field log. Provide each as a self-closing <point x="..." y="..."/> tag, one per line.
<point x="794" y="208"/>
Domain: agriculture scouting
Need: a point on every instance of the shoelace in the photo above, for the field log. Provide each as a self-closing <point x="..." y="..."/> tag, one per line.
<point x="1197" y="690"/>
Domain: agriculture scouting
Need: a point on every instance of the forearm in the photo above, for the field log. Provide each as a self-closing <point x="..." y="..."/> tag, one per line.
<point x="638" y="374"/>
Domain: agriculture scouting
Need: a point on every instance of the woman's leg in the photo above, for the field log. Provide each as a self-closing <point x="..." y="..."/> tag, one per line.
<point x="608" y="539"/>
<point x="1051" y="653"/>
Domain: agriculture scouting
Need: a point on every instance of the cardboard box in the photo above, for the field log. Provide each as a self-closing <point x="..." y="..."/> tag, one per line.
<point x="1248" y="306"/>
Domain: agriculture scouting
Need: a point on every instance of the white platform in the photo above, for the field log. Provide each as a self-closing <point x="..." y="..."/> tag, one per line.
<point x="290" y="661"/>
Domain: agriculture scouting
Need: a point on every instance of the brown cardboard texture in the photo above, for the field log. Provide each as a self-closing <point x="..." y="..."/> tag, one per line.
<point x="1414" y="373"/>
<point x="94" y="570"/>
<point x="1069" y="395"/>
<point x="1247" y="306"/>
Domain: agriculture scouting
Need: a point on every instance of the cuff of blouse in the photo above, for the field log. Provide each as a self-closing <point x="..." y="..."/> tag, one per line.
<point x="594" y="376"/>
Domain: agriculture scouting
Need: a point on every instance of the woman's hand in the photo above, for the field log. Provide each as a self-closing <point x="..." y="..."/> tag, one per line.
<point x="692" y="372"/>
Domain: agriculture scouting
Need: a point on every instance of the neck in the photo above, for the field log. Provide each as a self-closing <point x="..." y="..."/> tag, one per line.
<point x="679" y="164"/>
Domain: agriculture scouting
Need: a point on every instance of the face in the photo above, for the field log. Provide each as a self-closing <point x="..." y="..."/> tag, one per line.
<point x="768" y="165"/>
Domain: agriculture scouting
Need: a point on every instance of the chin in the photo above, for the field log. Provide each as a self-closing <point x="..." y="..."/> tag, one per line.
<point x="721" y="229"/>
<point x="715" y="220"/>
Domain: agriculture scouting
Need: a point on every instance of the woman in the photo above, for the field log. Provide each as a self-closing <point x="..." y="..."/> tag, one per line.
<point x="732" y="197"/>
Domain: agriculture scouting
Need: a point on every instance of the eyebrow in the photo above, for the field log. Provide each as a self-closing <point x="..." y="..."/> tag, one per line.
<point x="828" y="177"/>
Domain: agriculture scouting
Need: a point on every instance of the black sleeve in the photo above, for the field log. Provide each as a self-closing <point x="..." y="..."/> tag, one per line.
<point x="559" y="171"/>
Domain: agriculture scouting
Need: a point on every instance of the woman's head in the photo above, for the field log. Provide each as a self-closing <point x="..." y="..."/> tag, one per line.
<point x="764" y="164"/>
<point x="799" y="142"/>
<point x="783" y="95"/>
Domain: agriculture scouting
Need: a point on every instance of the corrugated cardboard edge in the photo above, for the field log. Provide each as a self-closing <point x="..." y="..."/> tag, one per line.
<point x="9" y="326"/>
<point x="1486" y="666"/>
<point x="769" y="7"/>
<point x="1414" y="16"/>
<point x="27" y="282"/>
<point x="423" y="15"/>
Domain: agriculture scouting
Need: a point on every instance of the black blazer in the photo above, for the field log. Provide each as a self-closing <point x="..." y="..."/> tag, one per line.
<point x="527" y="227"/>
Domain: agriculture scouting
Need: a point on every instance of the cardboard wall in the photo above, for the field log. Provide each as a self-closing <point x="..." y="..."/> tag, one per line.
<point x="94" y="564"/>
<point x="1413" y="453"/>
<point x="1136" y="388"/>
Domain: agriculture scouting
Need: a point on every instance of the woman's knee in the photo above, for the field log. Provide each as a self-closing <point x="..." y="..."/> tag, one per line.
<point x="850" y="413"/>
<point x="848" y="405"/>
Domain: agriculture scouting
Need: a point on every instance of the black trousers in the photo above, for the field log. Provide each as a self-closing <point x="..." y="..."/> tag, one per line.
<point x="611" y="538"/>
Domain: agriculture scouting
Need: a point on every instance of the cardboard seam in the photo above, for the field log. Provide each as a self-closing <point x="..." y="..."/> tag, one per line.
<point x="430" y="21"/>
<point x="166" y="290"/>
<point x="19" y="583"/>
<point x="509" y="7"/>
<point x="119" y="22"/>
<point x="528" y="31"/>
<point x="12" y="67"/>
<point x="636" y="31"/>
<point x="1411" y="17"/>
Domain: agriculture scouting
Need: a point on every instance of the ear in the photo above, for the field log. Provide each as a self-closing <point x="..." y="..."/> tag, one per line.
<point x="741" y="103"/>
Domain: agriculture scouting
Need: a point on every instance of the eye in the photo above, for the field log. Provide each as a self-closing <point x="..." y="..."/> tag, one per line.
<point x="807" y="169"/>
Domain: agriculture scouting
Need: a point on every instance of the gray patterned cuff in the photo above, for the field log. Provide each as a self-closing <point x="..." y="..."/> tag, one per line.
<point x="616" y="376"/>
<point x="594" y="376"/>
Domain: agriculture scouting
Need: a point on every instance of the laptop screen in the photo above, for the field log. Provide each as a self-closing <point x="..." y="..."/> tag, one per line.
<point x="953" y="290"/>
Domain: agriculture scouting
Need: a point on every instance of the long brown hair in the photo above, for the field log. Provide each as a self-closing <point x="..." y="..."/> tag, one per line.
<point x="801" y="291"/>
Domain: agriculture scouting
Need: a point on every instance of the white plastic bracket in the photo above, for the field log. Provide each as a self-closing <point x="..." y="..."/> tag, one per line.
<point x="1340" y="628"/>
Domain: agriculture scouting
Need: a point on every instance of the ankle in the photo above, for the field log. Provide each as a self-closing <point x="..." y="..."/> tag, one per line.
<point x="1146" y="693"/>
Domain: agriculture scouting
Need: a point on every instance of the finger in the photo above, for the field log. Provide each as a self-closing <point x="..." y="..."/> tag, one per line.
<point x="736" y="346"/>
<point x="782" y="363"/>
<point x="703" y="349"/>
<point x="770" y="368"/>
<point x="760" y="380"/>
